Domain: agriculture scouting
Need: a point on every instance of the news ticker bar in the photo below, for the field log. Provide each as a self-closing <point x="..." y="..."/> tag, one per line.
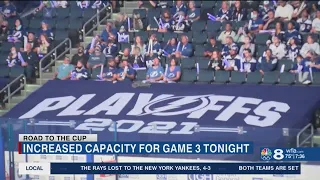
<point x="135" y="148"/>
<point x="158" y="168"/>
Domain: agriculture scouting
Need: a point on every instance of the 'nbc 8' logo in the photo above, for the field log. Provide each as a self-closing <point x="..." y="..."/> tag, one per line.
<point x="266" y="154"/>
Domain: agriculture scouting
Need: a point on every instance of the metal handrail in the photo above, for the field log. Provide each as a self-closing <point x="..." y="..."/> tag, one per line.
<point x="55" y="56"/>
<point x="310" y="137"/>
<point x="8" y="88"/>
<point x="97" y="18"/>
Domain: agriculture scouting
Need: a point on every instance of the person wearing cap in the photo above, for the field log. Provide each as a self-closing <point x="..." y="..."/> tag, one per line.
<point x="291" y="32"/>
<point x="249" y="63"/>
<point x="125" y="71"/>
<point x="226" y="33"/>
<point x="226" y="48"/>
<point x="80" y="56"/>
<point x="46" y="30"/>
<point x="96" y="59"/>
<point x="284" y="11"/>
<point x="155" y="72"/>
<point x="63" y="72"/>
<point x="110" y="72"/>
<point x="111" y="49"/>
<point x="266" y="63"/>
<point x="233" y="60"/>
<point x="310" y="45"/>
<point x="293" y="49"/>
<point x="80" y="72"/>
<point x="278" y="49"/>
<point x="264" y="9"/>
<point x="316" y="23"/>
<point x="185" y="49"/>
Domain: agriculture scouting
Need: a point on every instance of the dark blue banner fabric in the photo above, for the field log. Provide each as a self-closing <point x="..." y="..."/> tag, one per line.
<point x="170" y="112"/>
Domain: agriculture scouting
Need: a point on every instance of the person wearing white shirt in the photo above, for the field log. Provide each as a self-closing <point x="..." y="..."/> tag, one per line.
<point x="310" y="45"/>
<point x="278" y="49"/>
<point x="316" y="23"/>
<point x="226" y="33"/>
<point x="284" y="11"/>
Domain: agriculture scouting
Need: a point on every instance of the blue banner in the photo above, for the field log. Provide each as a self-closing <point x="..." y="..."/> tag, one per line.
<point x="134" y="148"/>
<point x="175" y="168"/>
<point x="290" y="154"/>
<point x="170" y="112"/>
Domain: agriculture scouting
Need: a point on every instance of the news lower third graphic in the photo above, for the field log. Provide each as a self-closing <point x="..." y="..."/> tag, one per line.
<point x="290" y="154"/>
<point x="159" y="168"/>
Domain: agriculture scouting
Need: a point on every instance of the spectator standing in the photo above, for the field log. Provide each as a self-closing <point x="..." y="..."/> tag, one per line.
<point x="31" y="58"/>
<point x="64" y="70"/>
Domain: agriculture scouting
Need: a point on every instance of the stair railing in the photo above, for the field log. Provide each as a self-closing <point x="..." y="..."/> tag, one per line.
<point x="301" y="142"/>
<point x="67" y="42"/>
<point x="96" y="18"/>
<point x="7" y="89"/>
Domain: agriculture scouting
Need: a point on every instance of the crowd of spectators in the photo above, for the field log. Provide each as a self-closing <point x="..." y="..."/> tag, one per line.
<point x="251" y="36"/>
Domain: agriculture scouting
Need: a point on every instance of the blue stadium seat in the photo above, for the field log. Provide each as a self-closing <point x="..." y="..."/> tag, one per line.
<point x="62" y="13"/>
<point x="187" y="63"/>
<point x="199" y="38"/>
<point x="141" y="12"/>
<point x="199" y="50"/>
<point x="270" y="77"/>
<point x="198" y="26"/>
<point x="221" y="76"/>
<point x="205" y="76"/>
<point x="287" y="78"/>
<point x="188" y="76"/>
<point x="254" y="78"/>
<point x="62" y="24"/>
<point x="213" y="26"/>
<point x="4" y="71"/>
<point x="141" y="75"/>
<point x="238" y="77"/>
<point x="16" y="71"/>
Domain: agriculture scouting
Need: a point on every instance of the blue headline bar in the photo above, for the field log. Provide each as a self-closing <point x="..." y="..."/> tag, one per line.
<point x="135" y="148"/>
<point x="290" y="154"/>
<point x="175" y="168"/>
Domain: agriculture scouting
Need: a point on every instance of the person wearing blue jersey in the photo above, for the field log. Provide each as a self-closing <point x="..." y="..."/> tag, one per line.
<point x="80" y="72"/>
<point x="264" y="9"/>
<point x="299" y="68"/>
<point x="193" y="12"/>
<point x="17" y="33"/>
<point x="111" y="49"/>
<point x="292" y="33"/>
<point x="125" y="71"/>
<point x="226" y="48"/>
<point x="64" y="70"/>
<point x="110" y="72"/>
<point x="155" y="73"/>
<point x="293" y="49"/>
<point x="239" y="13"/>
<point x="233" y="61"/>
<point x="305" y="23"/>
<point x="9" y="10"/>
<point x="249" y="63"/>
<point x="185" y="49"/>
<point x="179" y="7"/>
<point x="46" y="30"/>
<point x="266" y="63"/>
<point x="173" y="73"/>
<point x="96" y="59"/>
<point x="255" y="23"/>
<point x="109" y="30"/>
<point x="171" y="47"/>
<point x="224" y="13"/>
<point x="14" y="58"/>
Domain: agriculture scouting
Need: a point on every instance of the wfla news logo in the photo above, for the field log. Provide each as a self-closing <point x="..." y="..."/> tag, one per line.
<point x="267" y="154"/>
